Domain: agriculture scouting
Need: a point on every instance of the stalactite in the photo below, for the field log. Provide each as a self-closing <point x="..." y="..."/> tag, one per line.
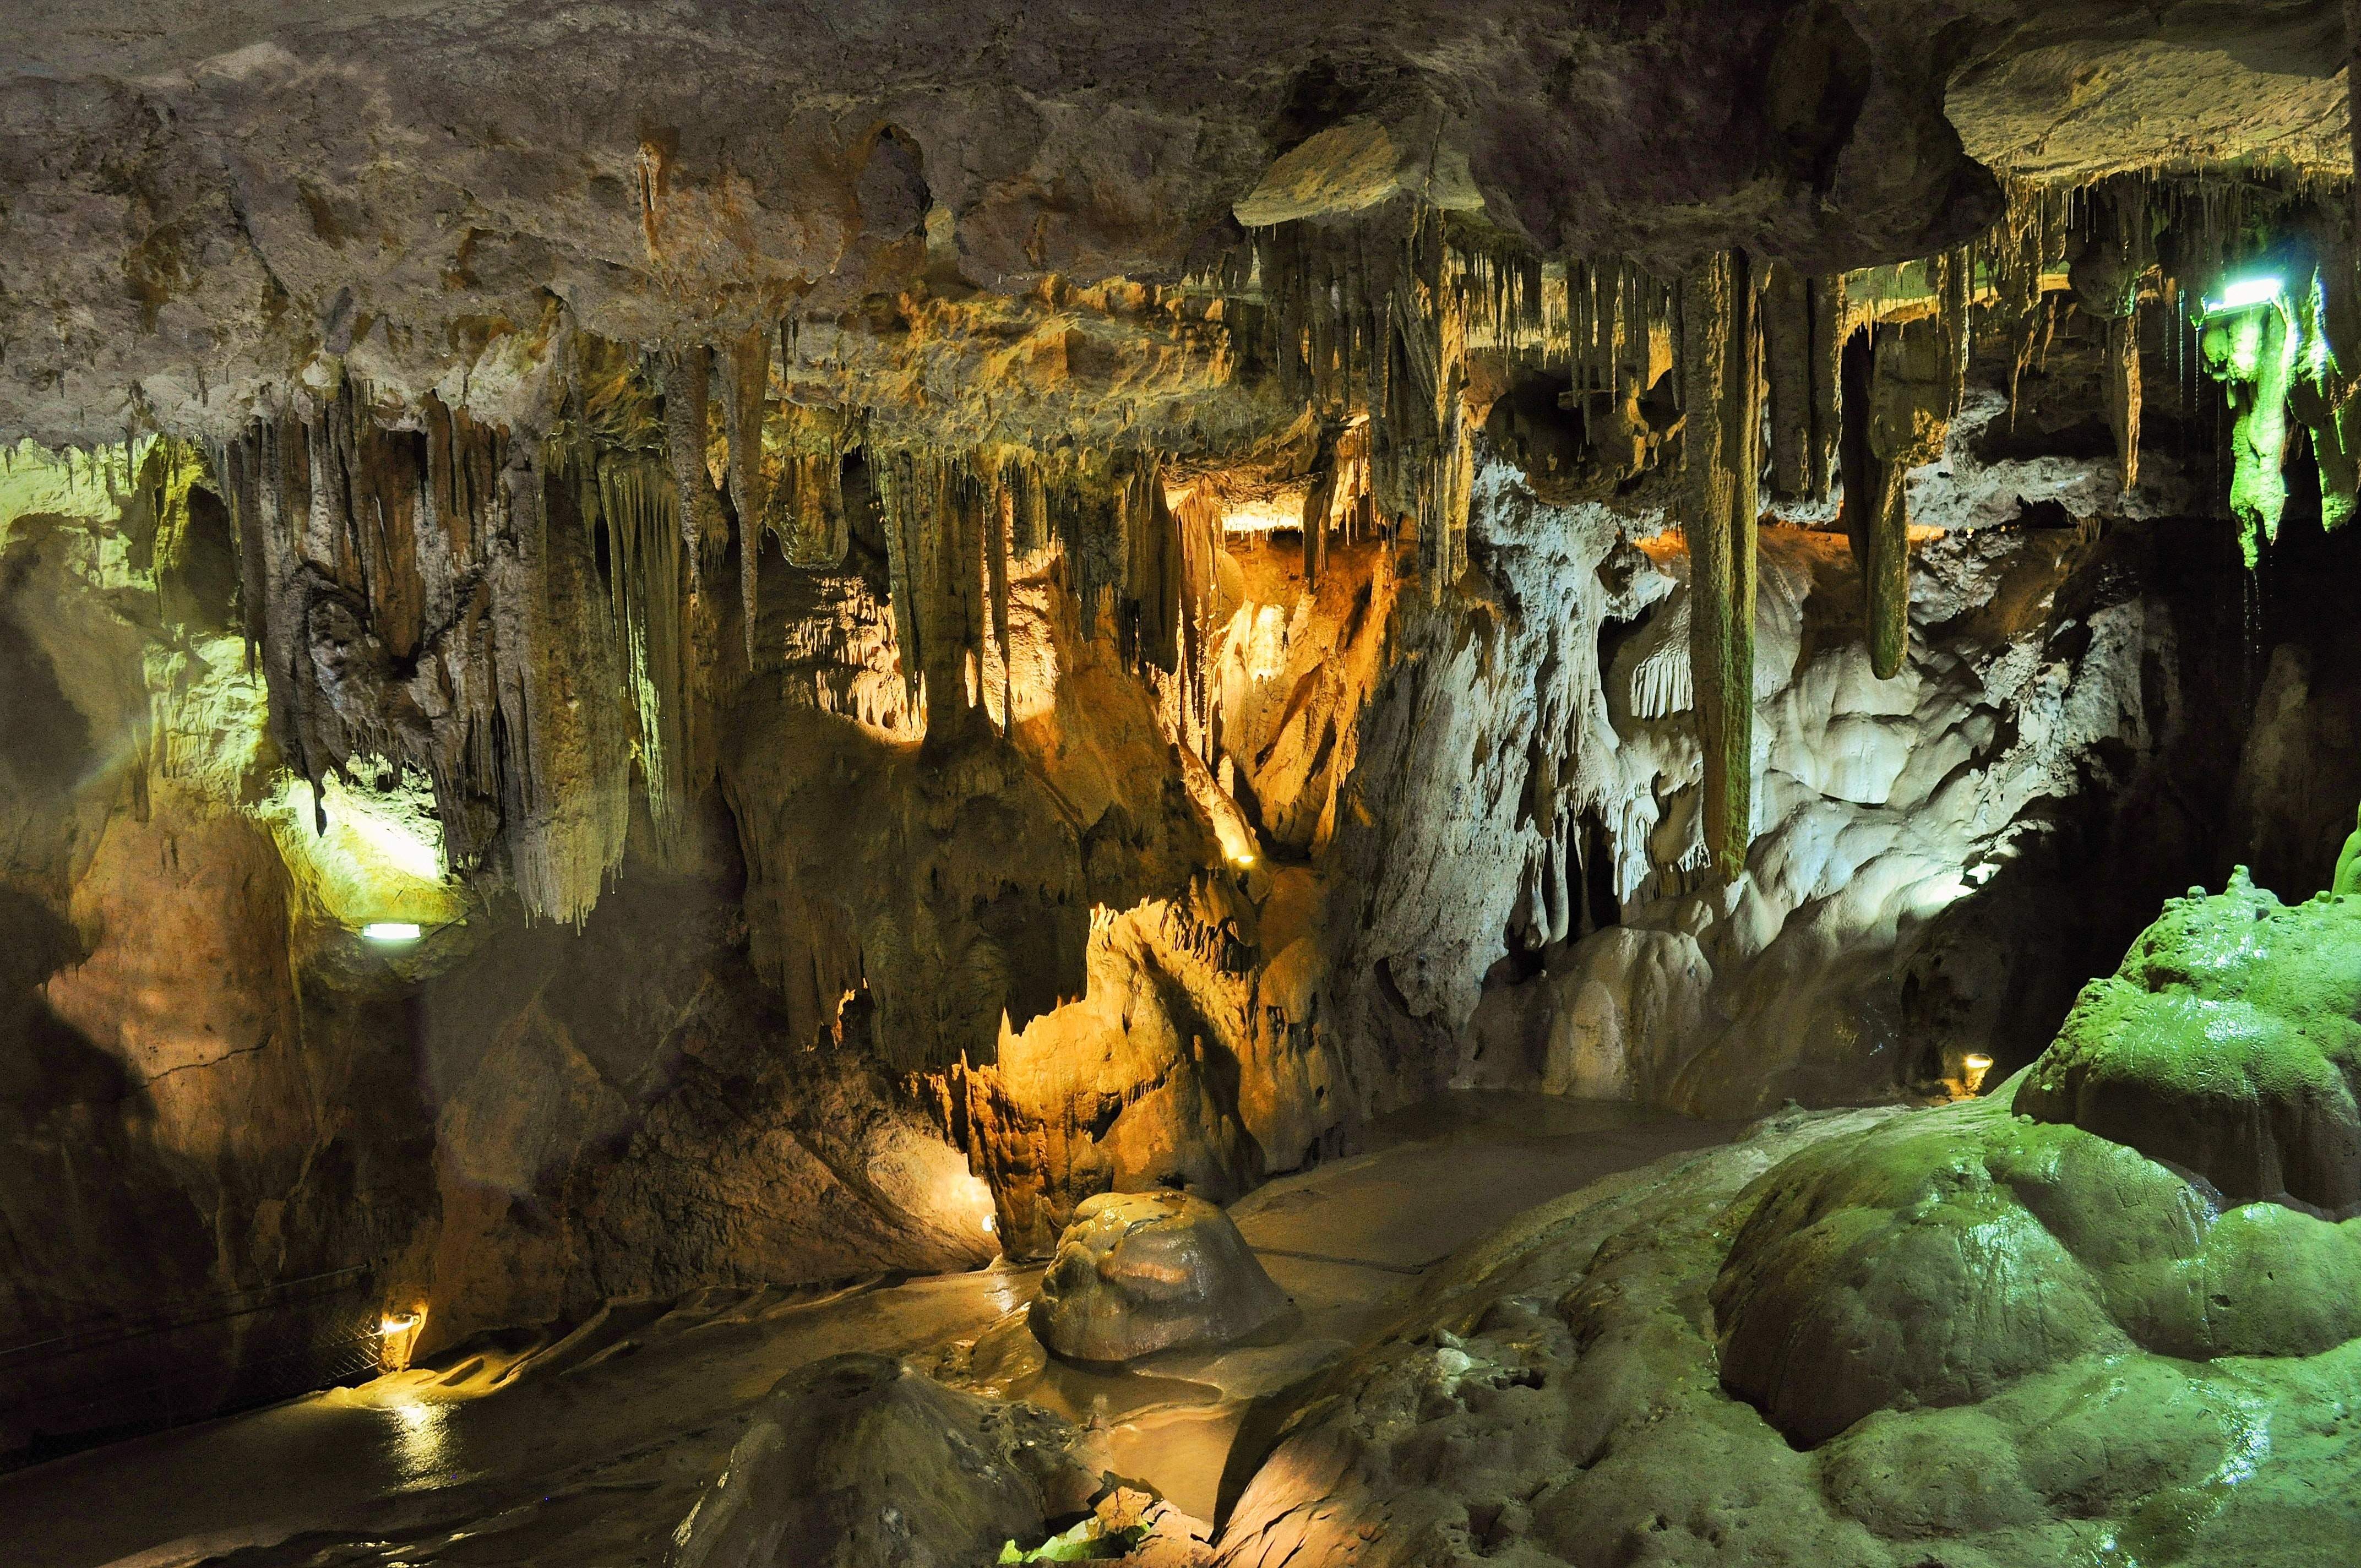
<point x="568" y="809"/>
<point x="1802" y="350"/>
<point x="1788" y="365"/>
<point x="2123" y="391"/>
<point x="749" y="378"/>
<point x="907" y="495"/>
<point x="1953" y="273"/>
<point x="1155" y="580"/>
<point x="806" y="509"/>
<point x="1319" y="503"/>
<point x="1864" y="475"/>
<point x="2255" y="352"/>
<point x="1001" y="525"/>
<point x="634" y="495"/>
<point x="1721" y="374"/>
<point x="687" y="381"/>
<point x="1825" y="299"/>
<point x="412" y="605"/>
<point x="1908" y="402"/>
<point x="1374" y="317"/>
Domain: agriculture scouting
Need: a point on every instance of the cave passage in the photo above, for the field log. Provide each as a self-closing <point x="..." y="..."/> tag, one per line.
<point x="1210" y="786"/>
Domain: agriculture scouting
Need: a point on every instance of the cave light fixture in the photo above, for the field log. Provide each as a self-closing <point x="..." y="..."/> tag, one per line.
<point x="398" y="1338"/>
<point x="392" y="931"/>
<point x="1972" y="1068"/>
<point x="2246" y="295"/>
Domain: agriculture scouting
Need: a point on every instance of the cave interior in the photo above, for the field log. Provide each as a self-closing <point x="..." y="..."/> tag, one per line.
<point x="912" y="785"/>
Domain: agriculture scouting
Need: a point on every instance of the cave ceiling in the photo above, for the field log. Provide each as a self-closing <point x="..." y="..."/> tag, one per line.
<point x="204" y="211"/>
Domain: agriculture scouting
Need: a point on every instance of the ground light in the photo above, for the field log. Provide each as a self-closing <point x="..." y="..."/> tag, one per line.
<point x="391" y="931"/>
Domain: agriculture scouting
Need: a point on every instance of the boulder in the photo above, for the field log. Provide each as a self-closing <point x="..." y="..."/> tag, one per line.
<point x="1139" y="1272"/>
<point x="860" y="1461"/>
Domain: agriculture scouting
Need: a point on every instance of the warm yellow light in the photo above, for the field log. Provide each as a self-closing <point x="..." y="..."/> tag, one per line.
<point x="1974" y="1066"/>
<point x="987" y="1222"/>
<point x="398" y="1338"/>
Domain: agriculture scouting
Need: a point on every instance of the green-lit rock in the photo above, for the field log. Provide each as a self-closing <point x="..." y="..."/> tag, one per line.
<point x="1941" y="1258"/>
<point x="2228" y="1043"/>
<point x="2168" y="1178"/>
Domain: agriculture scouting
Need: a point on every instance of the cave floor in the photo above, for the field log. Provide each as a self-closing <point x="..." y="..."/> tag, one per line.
<point x="595" y="1464"/>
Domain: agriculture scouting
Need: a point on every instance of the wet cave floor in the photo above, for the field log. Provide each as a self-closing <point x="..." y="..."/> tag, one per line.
<point x="590" y="1452"/>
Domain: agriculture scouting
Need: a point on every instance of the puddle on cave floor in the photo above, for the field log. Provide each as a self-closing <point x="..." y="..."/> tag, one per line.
<point x="595" y="1464"/>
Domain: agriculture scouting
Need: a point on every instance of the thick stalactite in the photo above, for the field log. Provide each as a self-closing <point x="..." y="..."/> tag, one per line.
<point x="1721" y="385"/>
<point x="749" y="383"/>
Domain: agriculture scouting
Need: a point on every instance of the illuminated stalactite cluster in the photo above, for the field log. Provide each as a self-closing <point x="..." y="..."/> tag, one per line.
<point x="385" y="541"/>
<point x="410" y="605"/>
<point x="1372" y="319"/>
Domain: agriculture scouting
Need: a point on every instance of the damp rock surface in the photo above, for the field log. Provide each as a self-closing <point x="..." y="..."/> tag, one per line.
<point x="2229" y="1041"/>
<point x="860" y="1461"/>
<point x="1854" y="1334"/>
<point x="1138" y="1273"/>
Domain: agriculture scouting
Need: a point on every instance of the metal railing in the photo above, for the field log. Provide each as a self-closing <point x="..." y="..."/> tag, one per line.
<point x="185" y="1361"/>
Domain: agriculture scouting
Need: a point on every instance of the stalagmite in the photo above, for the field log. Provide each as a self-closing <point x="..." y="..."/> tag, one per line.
<point x="749" y="378"/>
<point x="1721" y="381"/>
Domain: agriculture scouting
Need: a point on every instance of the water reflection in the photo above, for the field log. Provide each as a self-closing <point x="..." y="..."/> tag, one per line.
<point x="425" y="1453"/>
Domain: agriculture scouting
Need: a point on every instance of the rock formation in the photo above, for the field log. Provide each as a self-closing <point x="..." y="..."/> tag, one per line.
<point x="1137" y="1273"/>
<point x="640" y="652"/>
<point x="860" y="1460"/>
<point x="1986" y="1329"/>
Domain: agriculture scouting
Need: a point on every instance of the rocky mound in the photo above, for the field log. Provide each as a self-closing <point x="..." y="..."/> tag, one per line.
<point x="1983" y="1334"/>
<point x="2229" y="1043"/>
<point x="858" y="1459"/>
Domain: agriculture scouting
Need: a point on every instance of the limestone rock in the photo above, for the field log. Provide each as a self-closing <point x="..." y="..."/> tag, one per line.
<point x="2229" y="1041"/>
<point x="1553" y="1398"/>
<point x="1943" y="1258"/>
<point x="1142" y="1272"/>
<point x="858" y="1460"/>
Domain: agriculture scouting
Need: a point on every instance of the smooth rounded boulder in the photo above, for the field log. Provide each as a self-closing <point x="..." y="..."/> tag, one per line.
<point x="1139" y="1272"/>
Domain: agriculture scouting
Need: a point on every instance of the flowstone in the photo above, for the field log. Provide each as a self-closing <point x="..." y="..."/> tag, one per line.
<point x="1979" y="1333"/>
<point x="2229" y="1043"/>
<point x="2167" y="1175"/>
